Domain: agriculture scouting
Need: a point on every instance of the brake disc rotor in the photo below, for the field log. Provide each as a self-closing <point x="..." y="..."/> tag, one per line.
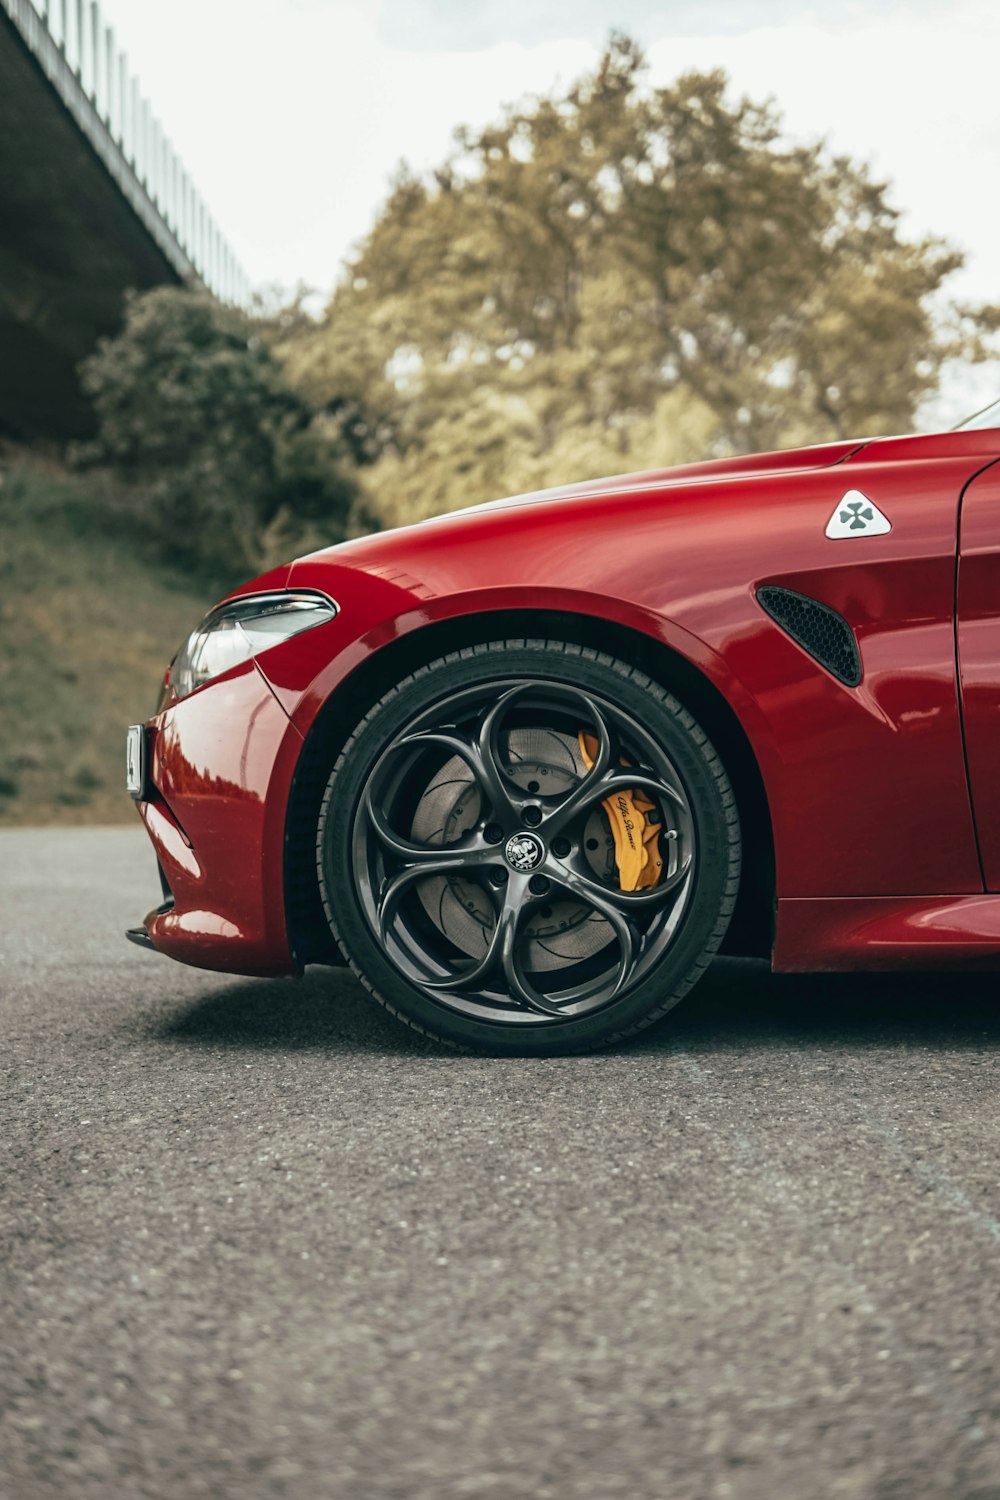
<point x="558" y="934"/>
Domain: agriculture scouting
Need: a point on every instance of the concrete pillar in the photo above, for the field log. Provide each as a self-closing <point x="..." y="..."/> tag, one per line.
<point x="109" y="75"/>
<point x="94" y="52"/>
<point x="134" y="124"/>
<point x="156" y="161"/>
<point x="122" y="134"/>
<point x="182" y="206"/>
<point x="145" y="137"/>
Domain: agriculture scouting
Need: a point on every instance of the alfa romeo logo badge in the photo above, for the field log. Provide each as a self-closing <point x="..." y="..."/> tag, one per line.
<point x="523" y="851"/>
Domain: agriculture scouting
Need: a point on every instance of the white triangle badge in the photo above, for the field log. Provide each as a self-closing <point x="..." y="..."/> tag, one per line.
<point x="856" y="515"/>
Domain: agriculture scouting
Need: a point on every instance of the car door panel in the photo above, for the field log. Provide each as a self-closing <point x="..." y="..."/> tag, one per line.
<point x="978" y="635"/>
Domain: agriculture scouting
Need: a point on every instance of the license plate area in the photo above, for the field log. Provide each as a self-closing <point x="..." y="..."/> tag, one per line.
<point x="135" y="760"/>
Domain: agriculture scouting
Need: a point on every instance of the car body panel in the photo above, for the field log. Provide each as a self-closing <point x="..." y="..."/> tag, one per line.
<point x="979" y="658"/>
<point x="887" y="932"/>
<point x="221" y="762"/>
<point x="840" y="766"/>
<point x="867" y="787"/>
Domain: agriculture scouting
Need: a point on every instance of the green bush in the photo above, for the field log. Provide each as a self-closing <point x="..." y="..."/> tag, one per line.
<point x="204" y="443"/>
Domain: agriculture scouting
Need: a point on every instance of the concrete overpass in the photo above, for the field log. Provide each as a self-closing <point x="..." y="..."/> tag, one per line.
<point x="93" y="201"/>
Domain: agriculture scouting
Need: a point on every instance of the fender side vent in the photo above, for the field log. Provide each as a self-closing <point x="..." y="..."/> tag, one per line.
<point x="817" y="628"/>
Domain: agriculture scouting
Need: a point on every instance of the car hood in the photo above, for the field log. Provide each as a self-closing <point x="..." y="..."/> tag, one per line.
<point x="366" y="551"/>
<point x="752" y="465"/>
<point x="786" y="460"/>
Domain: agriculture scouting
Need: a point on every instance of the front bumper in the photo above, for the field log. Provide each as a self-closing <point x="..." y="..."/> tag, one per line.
<point x="220" y="768"/>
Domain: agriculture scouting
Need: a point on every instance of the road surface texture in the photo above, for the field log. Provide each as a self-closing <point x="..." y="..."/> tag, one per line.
<point x="259" y="1240"/>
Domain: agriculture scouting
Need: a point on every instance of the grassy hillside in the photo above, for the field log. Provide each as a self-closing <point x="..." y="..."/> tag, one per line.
<point x="88" y="623"/>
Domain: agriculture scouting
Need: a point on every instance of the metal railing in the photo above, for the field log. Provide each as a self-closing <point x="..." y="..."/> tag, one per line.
<point x="79" y="56"/>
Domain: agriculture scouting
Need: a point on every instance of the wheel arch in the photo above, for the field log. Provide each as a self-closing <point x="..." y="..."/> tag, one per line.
<point x="751" y="930"/>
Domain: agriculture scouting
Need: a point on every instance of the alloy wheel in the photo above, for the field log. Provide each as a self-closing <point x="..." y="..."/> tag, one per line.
<point x="489" y="855"/>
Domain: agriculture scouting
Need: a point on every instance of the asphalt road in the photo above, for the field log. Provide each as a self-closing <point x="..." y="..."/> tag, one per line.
<point x="259" y="1240"/>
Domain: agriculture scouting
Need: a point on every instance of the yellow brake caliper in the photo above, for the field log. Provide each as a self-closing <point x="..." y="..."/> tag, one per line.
<point x="637" y="840"/>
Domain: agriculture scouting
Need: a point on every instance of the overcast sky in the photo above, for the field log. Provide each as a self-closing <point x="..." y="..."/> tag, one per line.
<point x="292" y="114"/>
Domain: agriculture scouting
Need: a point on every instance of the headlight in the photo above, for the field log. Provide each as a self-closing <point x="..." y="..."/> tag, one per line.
<point x="235" y="632"/>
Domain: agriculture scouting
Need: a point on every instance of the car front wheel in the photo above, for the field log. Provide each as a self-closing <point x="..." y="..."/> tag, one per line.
<point x="528" y="846"/>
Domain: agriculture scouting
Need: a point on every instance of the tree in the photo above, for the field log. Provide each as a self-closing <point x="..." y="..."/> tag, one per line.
<point x="222" y="461"/>
<point x="621" y="272"/>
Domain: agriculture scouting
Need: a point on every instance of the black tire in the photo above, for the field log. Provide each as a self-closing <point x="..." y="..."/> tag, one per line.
<point x="467" y="740"/>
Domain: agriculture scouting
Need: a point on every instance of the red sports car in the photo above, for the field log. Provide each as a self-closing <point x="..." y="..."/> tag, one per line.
<point x="527" y="767"/>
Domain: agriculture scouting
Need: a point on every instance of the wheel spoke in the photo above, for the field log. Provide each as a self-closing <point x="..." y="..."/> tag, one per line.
<point x="589" y="888"/>
<point x="593" y="788"/>
<point x="606" y="756"/>
<point x="470" y="852"/>
<point x="607" y="740"/>
<point x="419" y="861"/>
<point x="397" y="886"/>
<point x="517" y="981"/>
<point x="597" y="897"/>
<point x="485" y="767"/>
<point x="502" y="952"/>
<point x="483" y="967"/>
<point x="497" y="776"/>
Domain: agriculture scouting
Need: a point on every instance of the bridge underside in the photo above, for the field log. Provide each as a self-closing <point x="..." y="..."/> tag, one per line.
<point x="70" y="247"/>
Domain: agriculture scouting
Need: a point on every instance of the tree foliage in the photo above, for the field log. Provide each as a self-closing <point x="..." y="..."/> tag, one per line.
<point x="625" y="275"/>
<point x="216" y="454"/>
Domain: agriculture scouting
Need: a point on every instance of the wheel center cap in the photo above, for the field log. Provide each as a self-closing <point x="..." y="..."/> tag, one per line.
<point x="524" y="851"/>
